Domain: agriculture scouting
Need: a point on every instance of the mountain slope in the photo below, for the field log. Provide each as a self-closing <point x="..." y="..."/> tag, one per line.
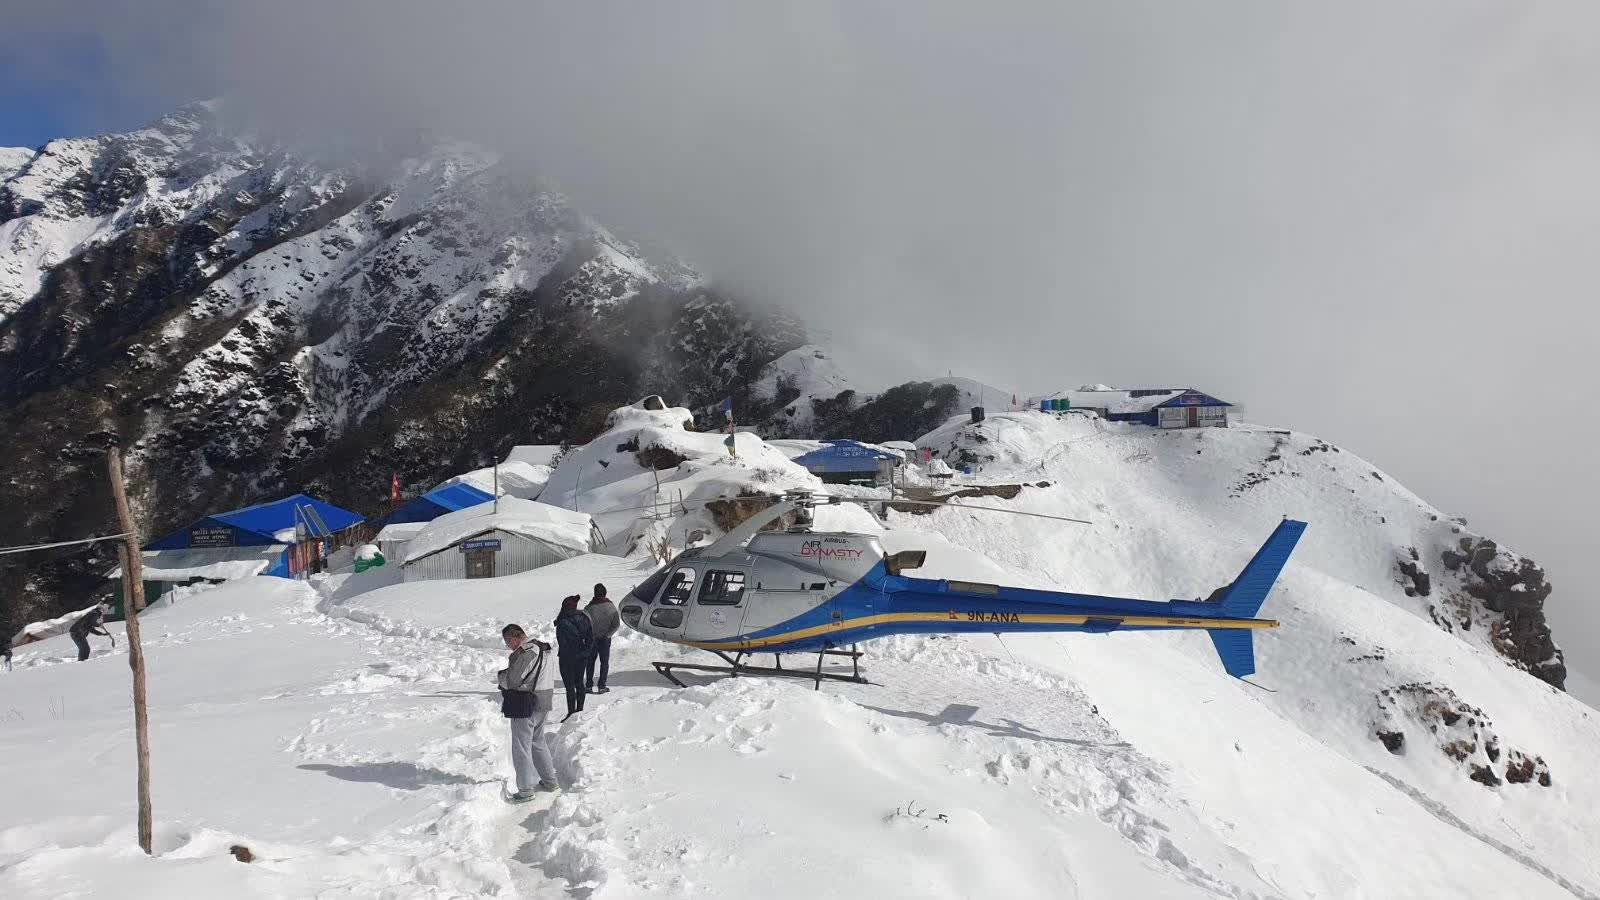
<point x="12" y="159"/>
<point x="1431" y="690"/>
<point x="1384" y="538"/>
<point x="249" y="319"/>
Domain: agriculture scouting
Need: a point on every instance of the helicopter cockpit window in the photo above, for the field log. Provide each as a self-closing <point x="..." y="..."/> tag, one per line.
<point x="679" y="589"/>
<point x="646" y="592"/>
<point x="723" y="588"/>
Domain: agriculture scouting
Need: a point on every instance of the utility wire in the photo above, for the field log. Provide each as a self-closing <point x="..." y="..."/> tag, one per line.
<point x="28" y="547"/>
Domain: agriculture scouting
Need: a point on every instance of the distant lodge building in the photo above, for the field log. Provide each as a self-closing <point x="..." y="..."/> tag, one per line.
<point x="843" y="462"/>
<point x="286" y="538"/>
<point x="484" y="542"/>
<point x="1156" y="407"/>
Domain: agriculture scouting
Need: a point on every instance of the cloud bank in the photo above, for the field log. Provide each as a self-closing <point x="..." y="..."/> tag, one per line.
<point x="1372" y="221"/>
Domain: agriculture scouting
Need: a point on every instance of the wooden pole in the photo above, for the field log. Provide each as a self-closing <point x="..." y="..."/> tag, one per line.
<point x="132" y="605"/>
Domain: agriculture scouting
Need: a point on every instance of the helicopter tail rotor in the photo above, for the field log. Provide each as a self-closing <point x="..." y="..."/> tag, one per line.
<point x="1243" y="598"/>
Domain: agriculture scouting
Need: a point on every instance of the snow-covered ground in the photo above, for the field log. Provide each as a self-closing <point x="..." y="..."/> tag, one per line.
<point x="513" y="478"/>
<point x="345" y="730"/>
<point x="12" y="159"/>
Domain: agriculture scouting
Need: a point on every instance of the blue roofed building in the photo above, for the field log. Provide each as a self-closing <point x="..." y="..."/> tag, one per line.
<point x="286" y="538"/>
<point x="842" y="462"/>
<point x="447" y="498"/>
<point x="1156" y="407"/>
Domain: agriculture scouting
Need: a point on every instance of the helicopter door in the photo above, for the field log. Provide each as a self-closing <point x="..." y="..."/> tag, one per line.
<point x="856" y="605"/>
<point x="719" y="606"/>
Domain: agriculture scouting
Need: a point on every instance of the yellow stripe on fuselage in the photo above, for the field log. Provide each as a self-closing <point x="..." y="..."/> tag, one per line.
<point x="960" y="616"/>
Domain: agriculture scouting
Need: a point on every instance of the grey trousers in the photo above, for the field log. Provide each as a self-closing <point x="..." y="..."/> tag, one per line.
<point x="529" y="752"/>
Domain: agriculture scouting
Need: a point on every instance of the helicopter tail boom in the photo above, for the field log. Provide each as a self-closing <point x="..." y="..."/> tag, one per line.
<point x="1243" y="598"/>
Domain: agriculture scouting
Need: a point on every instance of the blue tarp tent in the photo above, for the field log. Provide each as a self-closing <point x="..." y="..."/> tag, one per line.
<point x="844" y="461"/>
<point x="439" y="501"/>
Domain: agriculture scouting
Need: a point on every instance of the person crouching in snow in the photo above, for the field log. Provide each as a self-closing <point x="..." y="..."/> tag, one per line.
<point x="527" y="692"/>
<point x="91" y="622"/>
<point x="575" y="635"/>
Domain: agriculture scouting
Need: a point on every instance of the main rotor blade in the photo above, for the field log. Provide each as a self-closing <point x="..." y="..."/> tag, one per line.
<point x="671" y="503"/>
<point x="656" y="505"/>
<point x="830" y="499"/>
<point x="969" y="508"/>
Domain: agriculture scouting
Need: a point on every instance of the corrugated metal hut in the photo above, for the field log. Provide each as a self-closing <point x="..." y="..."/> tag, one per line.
<point x="393" y="539"/>
<point x="482" y="542"/>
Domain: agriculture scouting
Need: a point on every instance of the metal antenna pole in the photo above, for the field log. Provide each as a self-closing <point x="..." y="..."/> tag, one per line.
<point x="497" y="485"/>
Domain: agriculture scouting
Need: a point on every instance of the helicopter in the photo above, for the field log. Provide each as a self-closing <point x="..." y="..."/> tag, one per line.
<point x="803" y="591"/>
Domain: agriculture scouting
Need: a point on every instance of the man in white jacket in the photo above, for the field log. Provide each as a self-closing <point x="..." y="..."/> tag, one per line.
<point x="527" y="693"/>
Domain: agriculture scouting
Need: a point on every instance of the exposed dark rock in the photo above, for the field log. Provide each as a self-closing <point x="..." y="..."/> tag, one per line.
<point x="728" y="514"/>
<point x="1516" y="589"/>
<point x="1462" y="732"/>
<point x="932" y="495"/>
<point x="1484" y="775"/>
<point x="1523" y="769"/>
<point x="1415" y="581"/>
<point x="656" y="457"/>
<point x="901" y="413"/>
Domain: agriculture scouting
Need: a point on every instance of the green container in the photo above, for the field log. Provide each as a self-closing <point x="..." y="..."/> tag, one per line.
<point x="363" y="565"/>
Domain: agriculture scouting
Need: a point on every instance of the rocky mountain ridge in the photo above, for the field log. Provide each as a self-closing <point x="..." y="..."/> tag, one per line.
<point x="247" y="319"/>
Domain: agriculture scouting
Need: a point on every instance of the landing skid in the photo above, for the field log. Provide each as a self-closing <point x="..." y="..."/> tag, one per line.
<point x="736" y="667"/>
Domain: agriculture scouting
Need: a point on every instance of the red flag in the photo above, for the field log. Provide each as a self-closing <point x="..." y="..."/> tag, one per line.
<point x="394" y="488"/>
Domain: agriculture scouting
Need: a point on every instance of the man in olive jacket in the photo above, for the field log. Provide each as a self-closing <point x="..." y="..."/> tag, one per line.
<point x="527" y="694"/>
<point x="605" y="621"/>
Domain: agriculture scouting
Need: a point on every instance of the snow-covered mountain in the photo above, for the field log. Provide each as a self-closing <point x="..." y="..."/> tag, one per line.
<point x="250" y="318"/>
<point x="1391" y="744"/>
<point x="806" y="394"/>
<point x="12" y="159"/>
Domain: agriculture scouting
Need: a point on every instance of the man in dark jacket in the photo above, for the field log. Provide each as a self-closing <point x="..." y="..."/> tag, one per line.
<point x="87" y="624"/>
<point x="575" y="639"/>
<point x="604" y="622"/>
